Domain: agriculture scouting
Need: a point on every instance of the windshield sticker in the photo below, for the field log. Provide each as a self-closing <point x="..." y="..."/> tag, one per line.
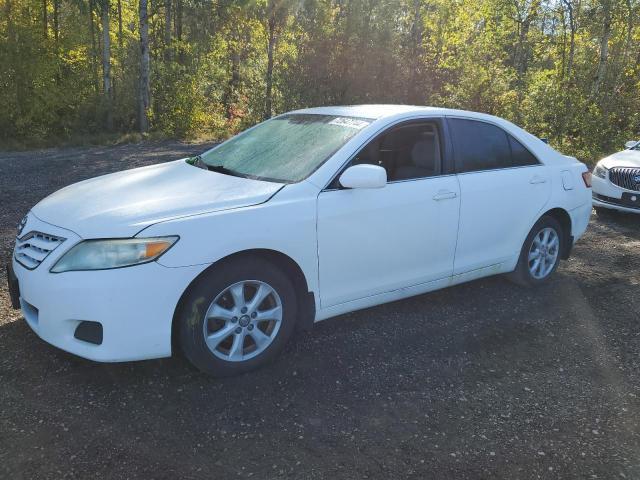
<point x="349" y="122"/>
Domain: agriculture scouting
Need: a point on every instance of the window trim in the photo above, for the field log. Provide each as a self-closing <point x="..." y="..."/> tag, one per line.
<point x="455" y="161"/>
<point x="446" y="151"/>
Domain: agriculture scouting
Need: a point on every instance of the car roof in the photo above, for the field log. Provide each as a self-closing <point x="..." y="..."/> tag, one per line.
<point x="375" y="112"/>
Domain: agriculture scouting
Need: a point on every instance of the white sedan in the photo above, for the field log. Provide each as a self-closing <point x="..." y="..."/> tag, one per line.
<point x="616" y="181"/>
<point x="308" y="215"/>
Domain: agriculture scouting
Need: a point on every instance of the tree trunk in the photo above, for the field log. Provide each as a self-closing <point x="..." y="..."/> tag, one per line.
<point x="604" y="47"/>
<point x="178" y="20"/>
<point x="45" y="20"/>
<point x="145" y="95"/>
<point x="94" y="53"/>
<point x="526" y="15"/>
<point x="106" y="65"/>
<point x="270" y="48"/>
<point x="233" y="45"/>
<point x="120" y="26"/>
<point x="56" y="19"/>
<point x="572" y="43"/>
<point x="572" y="14"/>
<point x="167" y="30"/>
<point x="414" y="96"/>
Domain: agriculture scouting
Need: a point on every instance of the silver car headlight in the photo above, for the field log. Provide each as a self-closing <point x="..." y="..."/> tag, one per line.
<point x="600" y="171"/>
<point x="114" y="253"/>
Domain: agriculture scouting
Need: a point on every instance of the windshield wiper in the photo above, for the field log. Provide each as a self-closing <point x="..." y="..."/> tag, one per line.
<point x="198" y="162"/>
<point x="221" y="169"/>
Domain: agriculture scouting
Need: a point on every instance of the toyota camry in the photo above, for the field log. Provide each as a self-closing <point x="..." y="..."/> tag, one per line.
<point x="303" y="217"/>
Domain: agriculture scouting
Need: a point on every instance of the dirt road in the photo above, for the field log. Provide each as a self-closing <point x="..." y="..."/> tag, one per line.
<point x="484" y="380"/>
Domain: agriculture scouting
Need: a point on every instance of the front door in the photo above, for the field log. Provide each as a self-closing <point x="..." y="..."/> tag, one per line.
<point x="372" y="241"/>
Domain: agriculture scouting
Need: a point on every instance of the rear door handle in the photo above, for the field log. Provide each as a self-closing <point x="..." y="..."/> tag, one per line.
<point x="537" y="179"/>
<point x="444" y="195"/>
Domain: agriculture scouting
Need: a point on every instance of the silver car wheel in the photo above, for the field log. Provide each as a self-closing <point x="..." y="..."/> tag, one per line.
<point x="543" y="253"/>
<point x="243" y="320"/>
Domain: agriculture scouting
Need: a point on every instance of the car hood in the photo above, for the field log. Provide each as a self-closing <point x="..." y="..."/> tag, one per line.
<point x="625" y="158"/>
<point x="121" y="204"/>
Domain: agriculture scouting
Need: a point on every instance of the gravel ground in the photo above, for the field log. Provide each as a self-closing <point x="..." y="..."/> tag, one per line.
<point x="483" y="380"/>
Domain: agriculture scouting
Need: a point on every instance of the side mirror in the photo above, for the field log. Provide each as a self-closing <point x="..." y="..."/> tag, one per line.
<point x="630" y="144"/>
<point x="364" y="176"/>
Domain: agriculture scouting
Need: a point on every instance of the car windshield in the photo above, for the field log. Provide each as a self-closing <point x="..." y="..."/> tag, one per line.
<point x="284" y="149"/>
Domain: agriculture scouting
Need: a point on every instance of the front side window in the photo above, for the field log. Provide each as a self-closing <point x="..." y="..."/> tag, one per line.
<point x="479" y="146"/>
<point x="408" y="151"/>
<point x="285" y="149"/>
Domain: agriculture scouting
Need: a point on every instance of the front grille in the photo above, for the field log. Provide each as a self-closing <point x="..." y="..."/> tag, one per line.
<point x="628" y="178"/>
<point x="34" y="247"/>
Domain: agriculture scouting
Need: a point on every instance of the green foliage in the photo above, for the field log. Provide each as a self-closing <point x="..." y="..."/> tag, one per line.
<point x="541" y="64"/>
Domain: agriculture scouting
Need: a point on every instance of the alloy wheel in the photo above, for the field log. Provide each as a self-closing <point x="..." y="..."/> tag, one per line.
<point x="243" y="320"/>
<point x="543" y="253"/>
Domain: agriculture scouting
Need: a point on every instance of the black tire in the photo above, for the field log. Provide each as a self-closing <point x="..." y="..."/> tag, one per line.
<point x="521" y="275"/>
<point x="212" y="283"/>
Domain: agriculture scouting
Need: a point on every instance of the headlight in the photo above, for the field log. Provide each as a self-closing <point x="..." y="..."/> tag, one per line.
<point x="105" y="254"/>
<point x="600" y="171"/>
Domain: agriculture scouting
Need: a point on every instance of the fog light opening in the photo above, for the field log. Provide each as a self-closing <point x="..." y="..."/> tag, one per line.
<point x="90" y="332"/>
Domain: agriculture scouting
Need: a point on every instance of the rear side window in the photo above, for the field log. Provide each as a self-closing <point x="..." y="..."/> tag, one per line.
<point x="482" y="146"/>
<point x="479" y="146"/>
<point x="521" y="157"/>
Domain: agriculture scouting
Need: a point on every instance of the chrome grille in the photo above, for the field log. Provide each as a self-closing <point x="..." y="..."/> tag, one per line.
<point x="34" y="247"/>
<point x="628" y="178"/>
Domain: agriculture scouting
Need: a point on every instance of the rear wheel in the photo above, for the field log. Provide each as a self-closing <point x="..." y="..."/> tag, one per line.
<point x="237" y="317"/>
<point x="540" y="254"/>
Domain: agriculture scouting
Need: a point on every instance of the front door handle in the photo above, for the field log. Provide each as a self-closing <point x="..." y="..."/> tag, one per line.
<point x="444" y="195"/>
<point x="535" y="180"/>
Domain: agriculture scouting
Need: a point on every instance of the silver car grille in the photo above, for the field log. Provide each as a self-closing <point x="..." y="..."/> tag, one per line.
<point x="625" y="177"/>
<point x="34" y="247"/>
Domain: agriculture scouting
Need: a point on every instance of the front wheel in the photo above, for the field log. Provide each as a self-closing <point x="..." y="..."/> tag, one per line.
<point x="237" y="317"/>
<point x="540" y="254"/>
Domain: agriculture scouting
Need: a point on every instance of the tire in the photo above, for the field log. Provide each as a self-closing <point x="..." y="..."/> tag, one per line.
<point x="214" y="295"/>
<point x="523" y="274"/>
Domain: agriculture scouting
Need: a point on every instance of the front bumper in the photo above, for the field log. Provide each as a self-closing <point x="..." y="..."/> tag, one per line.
<point x="608" y="195"/>
<point x="134" y="305"/>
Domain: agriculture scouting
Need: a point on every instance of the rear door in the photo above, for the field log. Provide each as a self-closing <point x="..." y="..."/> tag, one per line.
<point x="503" y="190"/>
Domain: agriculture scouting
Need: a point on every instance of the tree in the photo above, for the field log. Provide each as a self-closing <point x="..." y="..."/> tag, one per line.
<point x="145" y="89"/>
<point x="277" y="14"/>
<point x="106" y="65"/>
<point x="604" y="46"/>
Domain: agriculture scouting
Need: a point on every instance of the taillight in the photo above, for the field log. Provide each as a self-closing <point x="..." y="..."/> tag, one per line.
<point x="586" y="177"/>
